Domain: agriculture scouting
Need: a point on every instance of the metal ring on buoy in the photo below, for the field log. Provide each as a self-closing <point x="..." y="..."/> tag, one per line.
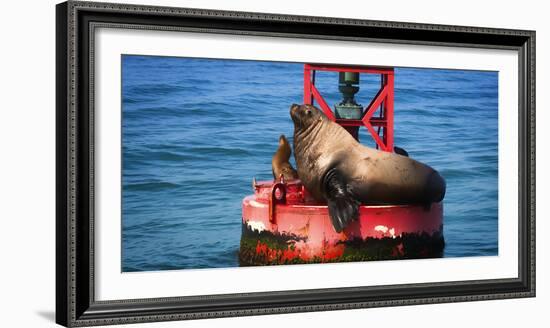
<point x="276" y="199"/>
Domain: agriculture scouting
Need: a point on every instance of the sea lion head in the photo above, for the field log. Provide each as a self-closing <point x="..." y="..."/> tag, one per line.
<point x="304" y="116"/>
<point x="283" y="142"/>
<point x="284" y="148"/>
<point x="280" y="162"/>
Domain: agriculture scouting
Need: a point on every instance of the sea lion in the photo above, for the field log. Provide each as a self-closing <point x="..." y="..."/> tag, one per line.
<point x="280" y="162"/>
<point x="335" y="168"/>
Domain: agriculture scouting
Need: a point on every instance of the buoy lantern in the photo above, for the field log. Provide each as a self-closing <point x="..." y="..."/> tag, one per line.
<point x="283" y="224"/>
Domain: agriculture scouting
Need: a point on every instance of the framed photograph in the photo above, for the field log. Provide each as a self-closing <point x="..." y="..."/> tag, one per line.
<point x="215" y="163"/>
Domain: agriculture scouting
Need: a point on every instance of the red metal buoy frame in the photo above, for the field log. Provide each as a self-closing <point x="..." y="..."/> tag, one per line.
<point x="382" y="102"/>
<point x="282" y="224"/>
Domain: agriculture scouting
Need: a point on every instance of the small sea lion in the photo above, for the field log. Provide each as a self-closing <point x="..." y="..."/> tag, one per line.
<point x="280" y="162"/>
<point x="337" y="169"/>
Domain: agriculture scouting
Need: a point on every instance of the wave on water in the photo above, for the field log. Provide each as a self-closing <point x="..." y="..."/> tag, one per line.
<point x="151" y="186"/>
<point x="161" y="156"/>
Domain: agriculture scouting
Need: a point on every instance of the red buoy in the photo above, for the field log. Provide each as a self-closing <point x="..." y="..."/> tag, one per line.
<point x="282" y="224"/>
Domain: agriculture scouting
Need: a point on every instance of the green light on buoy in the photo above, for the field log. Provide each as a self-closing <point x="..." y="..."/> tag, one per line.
<point x="348" y="108"/>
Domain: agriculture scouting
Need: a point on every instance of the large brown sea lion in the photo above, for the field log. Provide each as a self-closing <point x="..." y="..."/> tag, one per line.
<point x="280" y="162"/>
<point x="335" y="168"/>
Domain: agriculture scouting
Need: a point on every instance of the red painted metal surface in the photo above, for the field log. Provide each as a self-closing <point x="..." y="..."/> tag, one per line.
<point x="309" y="224"/>
<point x="382" y="103"/>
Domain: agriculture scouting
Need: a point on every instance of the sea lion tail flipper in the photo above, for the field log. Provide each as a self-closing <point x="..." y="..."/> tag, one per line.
<point x="342" y="206"/>
<point x="342" y="211"/>
<point x="400" y="151"/>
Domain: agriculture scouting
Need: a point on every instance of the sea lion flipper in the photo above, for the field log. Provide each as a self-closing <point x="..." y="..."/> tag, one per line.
<point x="400" y="151"/>
<point x="342" y="206"/>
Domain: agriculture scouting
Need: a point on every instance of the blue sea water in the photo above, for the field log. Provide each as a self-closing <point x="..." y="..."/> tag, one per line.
<point x="196" y="131"/>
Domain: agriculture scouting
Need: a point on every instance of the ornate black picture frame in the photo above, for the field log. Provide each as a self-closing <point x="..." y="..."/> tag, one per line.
<point x="75" y="301"/>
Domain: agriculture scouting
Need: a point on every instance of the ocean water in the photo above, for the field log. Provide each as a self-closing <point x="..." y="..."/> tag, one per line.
<point x="196" y="131"/>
